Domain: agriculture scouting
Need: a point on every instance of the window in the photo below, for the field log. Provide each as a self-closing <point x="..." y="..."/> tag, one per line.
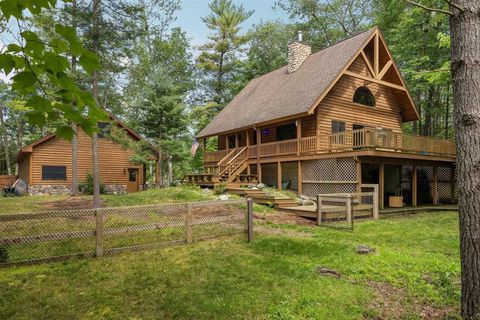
<point x="338" y="126"/>
<point x="286" y="132"/>
<point x="104" y="129"/>
<point x="54" y="173"/>
<point x="364" y="96"/>
<point x="132" y="175"/>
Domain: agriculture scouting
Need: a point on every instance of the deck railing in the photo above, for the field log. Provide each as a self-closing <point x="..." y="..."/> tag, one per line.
<point x="378" y="139"/>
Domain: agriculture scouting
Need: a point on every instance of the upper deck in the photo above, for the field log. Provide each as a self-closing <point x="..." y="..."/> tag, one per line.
<point x="354" y="140"/>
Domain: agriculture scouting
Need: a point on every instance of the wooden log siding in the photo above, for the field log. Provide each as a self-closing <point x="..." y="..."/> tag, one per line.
<point x="24" y="169"/>
<point x="338" y="105"/>
<point x="113" y="160"/>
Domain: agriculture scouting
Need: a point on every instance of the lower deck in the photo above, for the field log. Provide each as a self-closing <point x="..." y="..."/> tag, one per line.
<point x="401" y="182"/>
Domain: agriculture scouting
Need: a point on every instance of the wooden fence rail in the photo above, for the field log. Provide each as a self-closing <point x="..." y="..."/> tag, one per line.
<point x="51" y="236"/>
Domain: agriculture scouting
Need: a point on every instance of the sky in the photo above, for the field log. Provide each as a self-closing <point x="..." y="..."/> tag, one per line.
<point x="189" y="17"/>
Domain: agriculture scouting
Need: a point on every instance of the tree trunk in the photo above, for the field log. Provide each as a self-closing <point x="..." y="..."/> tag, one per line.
<point x="5" y="141"/>
<point x="95" y="169"/>
<point x="465" y="51"/>
<point x="170" y="171"/>
<point x="447" y="117"/>
<point x="74" y="191"/>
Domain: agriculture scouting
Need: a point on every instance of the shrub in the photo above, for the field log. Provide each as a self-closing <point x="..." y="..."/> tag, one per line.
<point x="87" y="186"/>
<point x="220" y="188"/>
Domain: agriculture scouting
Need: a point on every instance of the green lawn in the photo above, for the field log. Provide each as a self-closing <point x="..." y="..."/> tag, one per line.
<point x="153" y="196"/>
<point x="414" y="272"/>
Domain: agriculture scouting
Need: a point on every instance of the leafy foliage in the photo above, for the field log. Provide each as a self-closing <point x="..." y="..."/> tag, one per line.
<point x="87" y="186"/>
<point x="42" y="72"/>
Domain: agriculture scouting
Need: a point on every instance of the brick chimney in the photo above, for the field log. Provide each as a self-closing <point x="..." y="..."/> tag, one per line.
<point x="298" y="51"/>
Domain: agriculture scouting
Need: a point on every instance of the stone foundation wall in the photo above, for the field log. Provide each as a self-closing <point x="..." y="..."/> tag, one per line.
<point x="44" y="189"/>
<point x="115" y="189"/>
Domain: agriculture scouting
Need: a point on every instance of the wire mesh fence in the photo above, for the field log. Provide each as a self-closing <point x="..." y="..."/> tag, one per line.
<point x="339" y="210"/>
<point x="57" y="235"/>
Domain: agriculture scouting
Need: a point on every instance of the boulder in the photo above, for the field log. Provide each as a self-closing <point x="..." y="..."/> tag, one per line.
<point x="328" y="272"/>
<point x="224" y="197"/>
<point x="364" y="249"/>
<point x="260" y="186"/>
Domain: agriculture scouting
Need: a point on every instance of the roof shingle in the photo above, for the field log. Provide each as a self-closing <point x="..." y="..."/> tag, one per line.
<point x="279" y="94"/>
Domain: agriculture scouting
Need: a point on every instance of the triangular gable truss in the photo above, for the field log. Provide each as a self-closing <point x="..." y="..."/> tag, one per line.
<point x="379" y="67"/>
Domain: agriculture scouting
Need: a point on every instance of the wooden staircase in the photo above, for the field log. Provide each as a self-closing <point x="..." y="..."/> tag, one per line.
<point x="227" y="170"/>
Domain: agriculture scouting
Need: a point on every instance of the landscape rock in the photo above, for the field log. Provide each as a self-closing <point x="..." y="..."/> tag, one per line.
<point x="428" y="279"/>
<point x="260" y="186"/>
<point x="364" y="249"/>
<point x="252" y="186"/>
<point x="328" y="272"/>
<point x="223" y="197"/>
<point x="206" y="191"/>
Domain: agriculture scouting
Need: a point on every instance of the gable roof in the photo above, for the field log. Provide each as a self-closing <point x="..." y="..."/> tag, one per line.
<point x="29" y="148"/>
<point x="280" y="94"/>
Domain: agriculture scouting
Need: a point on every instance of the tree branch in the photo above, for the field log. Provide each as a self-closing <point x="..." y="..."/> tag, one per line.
<point x="453" y="4"/>
<point x="429" y="9"/>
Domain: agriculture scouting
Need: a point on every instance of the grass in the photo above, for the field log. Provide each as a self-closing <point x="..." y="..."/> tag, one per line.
<point x="272" y="278"/>
<point x="152" y="196"/>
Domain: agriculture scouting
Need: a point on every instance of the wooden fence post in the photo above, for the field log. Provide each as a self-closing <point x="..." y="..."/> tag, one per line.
<point x="188" y="224"/>
<point x="375" y="204"/>
<point x="99" y="232"/>
<point x="349" y="210"/>
<point x="319" y="210"/>
<point x="250" y="219"/>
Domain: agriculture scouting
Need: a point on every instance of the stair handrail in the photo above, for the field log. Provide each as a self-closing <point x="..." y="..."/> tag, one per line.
<point x="229" y="163"/>
<point x="226" y="157"/>
<point x="237" y="155"/>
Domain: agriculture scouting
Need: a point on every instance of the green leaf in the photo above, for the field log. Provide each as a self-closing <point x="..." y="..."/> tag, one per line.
<point x="33" y="45"/>
<point x="70" y="35"/>
<point x="59" y="45"/>
<point x="55" y="63"/>
<point x="11" y="8"/>
<point x="14" y="48"/>
<point x="65" y="132"/>
<point x="7" y="63"/>
<point x="39" y="104"/>
<point x="19" y="62"/>
<point x="89" y="61"/>
<point x="24" y="81"/>
<point x="36" y="118"/>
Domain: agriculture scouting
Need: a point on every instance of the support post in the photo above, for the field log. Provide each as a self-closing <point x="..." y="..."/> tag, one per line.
<point x="349" y="210"/>
<point x="99" y="232"/>
<point x="236" y="141"/>
<point x="375" y="203"/>
<point x="435" y="186"/>
<point x="259" y="142"/>
<point x="279" y="175"/>
<point x="359" y="174"/>
<point x="452" y="185"/>
<point x="414" y="186"/>
<point x="381" y="185"/>
<point x="250" y="219"/>
<point x="188" y="224"/>
<point x="299" y="178"/>
<point x="319" y="210"/>
<point x="259" y="172"/>
<point x="299" y="135"/>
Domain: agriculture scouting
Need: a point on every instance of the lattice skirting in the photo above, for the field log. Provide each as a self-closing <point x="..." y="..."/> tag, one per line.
<point x="446" y="184"/>
<point x="335" y="175"/>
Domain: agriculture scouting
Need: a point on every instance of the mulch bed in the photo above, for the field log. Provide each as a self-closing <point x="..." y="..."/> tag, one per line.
<point x="281" y="217"/>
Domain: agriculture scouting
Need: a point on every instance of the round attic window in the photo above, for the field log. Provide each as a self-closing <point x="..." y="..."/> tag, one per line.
<point x="364" y="96"/>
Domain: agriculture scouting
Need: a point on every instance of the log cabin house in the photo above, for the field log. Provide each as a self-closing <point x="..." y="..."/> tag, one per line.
<point x="46" y="164"/>
<point x="330" y="122"/>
